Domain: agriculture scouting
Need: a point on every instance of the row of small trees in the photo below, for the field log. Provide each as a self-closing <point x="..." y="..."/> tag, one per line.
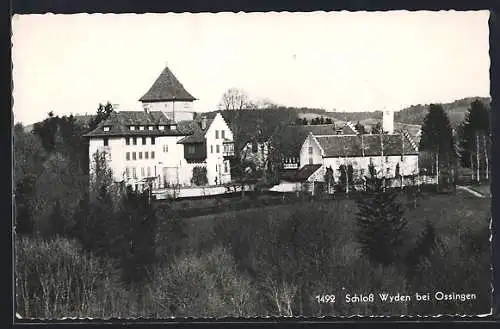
<point x="474" y="140"/>
<point x="469" y="143"/>
<point x="347" y="179"/>
<point x="314" y="121"/>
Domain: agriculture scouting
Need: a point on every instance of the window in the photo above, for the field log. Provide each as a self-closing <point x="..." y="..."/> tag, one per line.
<point x="150" y="127"/>
<point x="223" y="134"/>
<point x="216" y="134"/>
<point x="152" y="154"/>
<point x="310" y="150"/>
<point x="106" y="142"/>
<point x="143" y="140"/>
<point x="152" y="141"/>
<point x="140" y="155"/>
<point x="161" y="127"/>
<point x="165" y="148"/>
<point x="191" y="149"/>
<point x="141" y="127"/>
<point x="132" y="128"/>
<point x="225" y="166"/>
<point x="127" y="140"/>
<point x="106" y="128"/>
<point x="143" y="173"/>
<point x="146" y="155"/>
<point x="127" y="172"/>
<point x="134" y="140"/>
<point x="217" y="148"/>
<point x="133" y="156"/>
<point x="134" y="173"/>
<point x="211" y="149"/>
<point x="127" y="156"/>
<point x="149" y="171"/>
<point x="310" y="161"/>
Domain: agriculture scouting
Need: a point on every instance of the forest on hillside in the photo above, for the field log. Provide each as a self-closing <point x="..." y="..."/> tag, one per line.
<point x="456" y="111"/>
<point x="414" y="114"/>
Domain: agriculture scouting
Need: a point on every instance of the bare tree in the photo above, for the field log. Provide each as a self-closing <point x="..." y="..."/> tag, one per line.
<point x="234" y="99"/>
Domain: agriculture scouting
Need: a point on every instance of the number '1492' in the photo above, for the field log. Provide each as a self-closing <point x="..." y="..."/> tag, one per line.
<point x="325" y="298"/>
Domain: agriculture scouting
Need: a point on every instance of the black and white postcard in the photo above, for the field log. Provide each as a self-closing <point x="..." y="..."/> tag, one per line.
<point x="250" y="165"/>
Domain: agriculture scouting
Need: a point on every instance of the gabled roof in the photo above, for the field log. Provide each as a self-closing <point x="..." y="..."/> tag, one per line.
<point x="289" y="140"/>
<point x="348" y="129"/>
<point x="288" y="175"/>
<point x="119" y="123"/>
<point x="299" y="175"/>
<point x="194" y="130"/>
<point x="167" y="88"/>
<point x="413" y="130"/>
<point x="365" y="145"/>
<point x="305" y="172"/>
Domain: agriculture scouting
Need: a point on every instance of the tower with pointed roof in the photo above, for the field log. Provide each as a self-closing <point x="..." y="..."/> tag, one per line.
<point x="168" y="95"/>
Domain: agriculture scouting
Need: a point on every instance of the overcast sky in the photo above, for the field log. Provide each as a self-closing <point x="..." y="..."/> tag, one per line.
<point x="347" y="61"/>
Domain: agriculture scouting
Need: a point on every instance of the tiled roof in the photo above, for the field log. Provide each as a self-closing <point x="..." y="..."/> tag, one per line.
<point x="288" y="175"/>
<point x="365" y="145"/>
<point x="289" y="140"/>
<point x="167" y="88"/>
<point x="306" y="171"/>
<point x="413" y="130"/>
<point x="119" y="122"/>
<point x="349" y="129"/>
<point x="193" y="128"/>
<point x="299" y="175"/>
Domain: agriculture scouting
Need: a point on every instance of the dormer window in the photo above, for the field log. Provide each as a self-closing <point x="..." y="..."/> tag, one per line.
<point x="141" y="127"/>
<point x="173" y="127"/>
<point x="150" y="127"/>
<point x="106" y="128"/>
<point x="161" y="127"/>
<point x="132" y="127"/>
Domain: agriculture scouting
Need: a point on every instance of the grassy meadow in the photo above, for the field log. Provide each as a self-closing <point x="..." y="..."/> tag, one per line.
<point x="263" y="261"/>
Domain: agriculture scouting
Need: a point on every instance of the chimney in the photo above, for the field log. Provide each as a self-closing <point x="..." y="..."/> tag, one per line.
<point x="388" y="121"/>
<point x="146" y="108"/>
<point x="203" y="122"/>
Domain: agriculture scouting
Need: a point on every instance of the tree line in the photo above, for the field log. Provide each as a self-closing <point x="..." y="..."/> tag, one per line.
<point x="468" y="146"/>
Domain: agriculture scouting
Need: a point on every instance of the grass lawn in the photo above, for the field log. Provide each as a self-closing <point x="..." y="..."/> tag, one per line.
<point x="459" y="219"/>
<point x="450" y="214"/>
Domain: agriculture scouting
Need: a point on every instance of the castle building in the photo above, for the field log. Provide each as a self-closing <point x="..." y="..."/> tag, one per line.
<point x="152" y="146"/>
<point x="169" y="96"/>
